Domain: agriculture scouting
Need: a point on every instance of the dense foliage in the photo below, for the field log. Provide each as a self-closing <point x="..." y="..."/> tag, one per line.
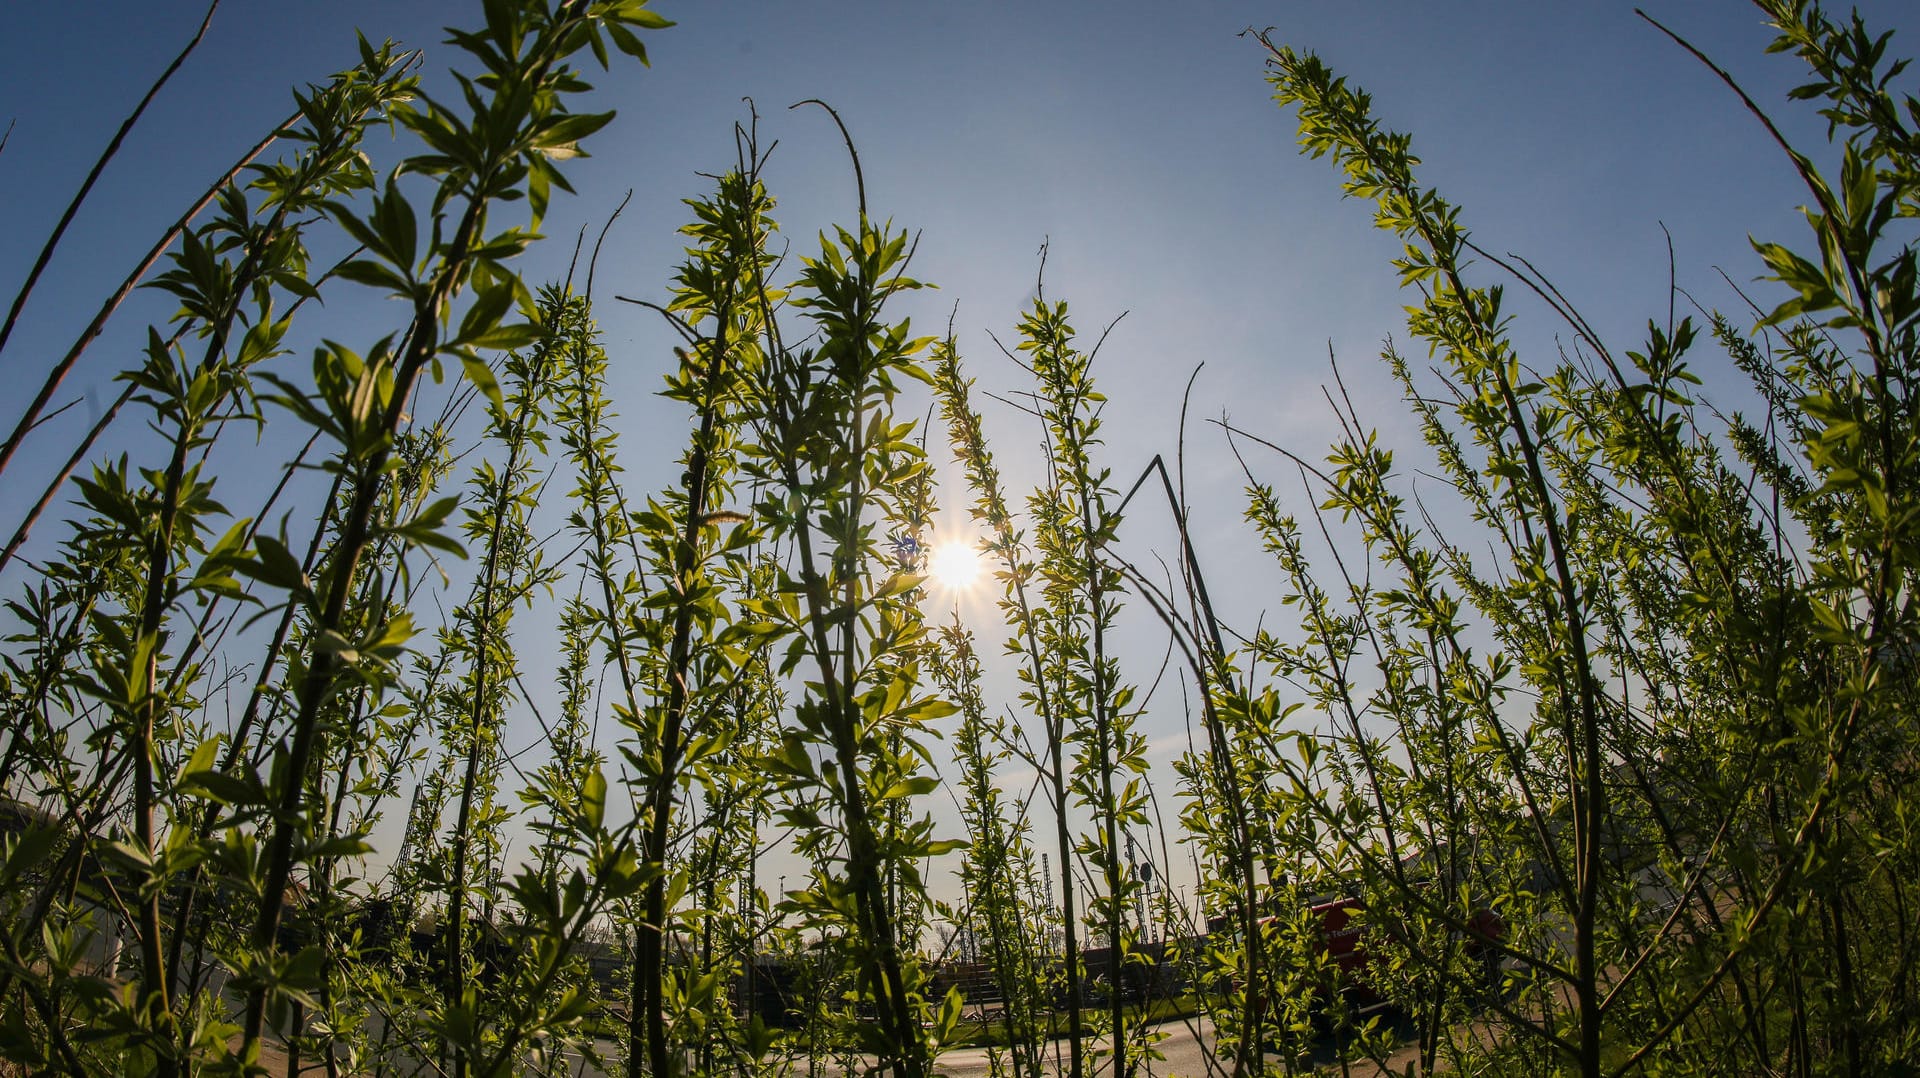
<point x="1615" y="776"/>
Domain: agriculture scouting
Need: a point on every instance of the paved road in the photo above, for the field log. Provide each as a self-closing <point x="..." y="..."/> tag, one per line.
<point x="1184" y="1046"/>
<point x="1185" y="1050"/>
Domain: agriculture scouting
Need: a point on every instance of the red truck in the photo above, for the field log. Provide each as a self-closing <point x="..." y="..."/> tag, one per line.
<point x="1342" y="933"/>
<point x="1343" y="939"/>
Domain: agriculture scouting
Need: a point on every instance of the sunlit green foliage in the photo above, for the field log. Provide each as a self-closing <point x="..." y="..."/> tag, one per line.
<point x="1621" y="782"/>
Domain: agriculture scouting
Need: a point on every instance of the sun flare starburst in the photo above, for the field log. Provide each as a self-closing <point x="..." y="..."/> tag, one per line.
<point x="954" y="566"/>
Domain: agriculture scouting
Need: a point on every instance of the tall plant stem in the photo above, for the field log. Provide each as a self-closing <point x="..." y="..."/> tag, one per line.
<point x="1104" y="747"/>
<point x="501" y="530"/>
<point x="86" y="187"/>
<point x="1069" y="912"/>
<point x="970" y="447"/>
<point x="53" y="487"/>
<point x="1211" y="669"/>
<point x="659" y="824"/>
<point x="597" y="478"/>
<point x="99" y="323"/>
<point x="106" y="419"/>
<point x="869" y="889"/>
<point x="154" y="986"/>
<point x="421" y="344"/>
<point x="156" y="969"/>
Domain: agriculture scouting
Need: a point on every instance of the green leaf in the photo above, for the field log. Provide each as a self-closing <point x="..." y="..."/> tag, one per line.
<point x="566" y="132"/>
<point x="202" y="758"/>
<point x="634" y="14"/>
<point x="481" y="376"/>
<point x="375" y="274"/>
<point x="485" y="314"/>
<point x="949" y="1018"/>
<point x="593" y="798"/>
<point x="30" y="851"/>
<point x="393" y="215"/>
<point x="222" y="788"/>
<point x="273" y="565"/>
<point x="330" y="642"/>
<point x="510" y="336"/>
<point x="899" y="582"/>
<point x="914" y="786"/>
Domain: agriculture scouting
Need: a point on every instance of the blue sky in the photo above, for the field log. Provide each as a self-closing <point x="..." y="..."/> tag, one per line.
<point x="1139" y="139"/>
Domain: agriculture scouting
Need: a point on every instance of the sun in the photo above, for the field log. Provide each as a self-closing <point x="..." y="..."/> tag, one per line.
<point x="954" y="566"/>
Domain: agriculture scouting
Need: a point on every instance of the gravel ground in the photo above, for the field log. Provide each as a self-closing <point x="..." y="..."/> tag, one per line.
<point x="1183" y="1044"/>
